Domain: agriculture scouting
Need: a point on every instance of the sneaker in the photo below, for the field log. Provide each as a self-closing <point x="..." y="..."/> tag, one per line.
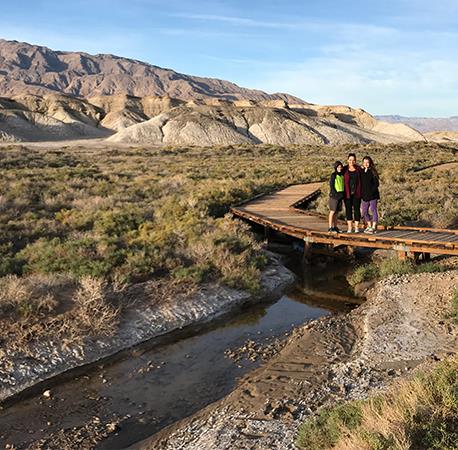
<point x="330" y="230"/>
<point x="356" y="230"/>
<point x="337" y="230"/>
<point x="369" y="230"/>
<point x="349" y="231"/>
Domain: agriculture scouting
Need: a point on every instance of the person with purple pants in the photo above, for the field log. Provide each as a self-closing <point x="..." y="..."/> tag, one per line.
<point x="369" y="194"/>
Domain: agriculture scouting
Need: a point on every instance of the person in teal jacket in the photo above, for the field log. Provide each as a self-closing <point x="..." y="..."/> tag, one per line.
<point x="336" y="195"/>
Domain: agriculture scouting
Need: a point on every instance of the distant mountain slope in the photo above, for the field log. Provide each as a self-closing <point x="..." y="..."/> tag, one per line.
<point x="425" y="124"/>
<point x="32" y="69"/>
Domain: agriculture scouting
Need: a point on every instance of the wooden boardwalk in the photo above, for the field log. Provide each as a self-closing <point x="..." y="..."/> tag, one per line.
<point x="280" y="211"/>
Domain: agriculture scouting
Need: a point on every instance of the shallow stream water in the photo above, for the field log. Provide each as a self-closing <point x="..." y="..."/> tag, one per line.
<point x="153" y="385"/>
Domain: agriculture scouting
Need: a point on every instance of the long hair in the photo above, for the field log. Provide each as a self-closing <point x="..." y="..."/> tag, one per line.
<point x="372" y="166"/>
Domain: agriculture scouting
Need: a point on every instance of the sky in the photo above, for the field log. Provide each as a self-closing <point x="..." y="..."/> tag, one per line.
<point x="387" y="57"/>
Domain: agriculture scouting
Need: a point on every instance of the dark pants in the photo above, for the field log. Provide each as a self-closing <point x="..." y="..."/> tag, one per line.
<point x="353" y="208"/>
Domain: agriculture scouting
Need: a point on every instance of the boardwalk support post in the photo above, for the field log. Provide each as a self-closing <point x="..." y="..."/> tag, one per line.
<point x="307" y="256"/>
<point x="403" y="252"/>
<point x="267" y="234"/>
<point x="402" y="255"/>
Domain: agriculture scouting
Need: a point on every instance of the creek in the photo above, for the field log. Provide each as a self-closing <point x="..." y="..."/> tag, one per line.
<point x="157" y="383"/>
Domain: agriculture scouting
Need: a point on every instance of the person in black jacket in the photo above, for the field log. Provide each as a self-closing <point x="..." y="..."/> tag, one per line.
<point x="336" y="195"/>
<point x="369" y="194"/>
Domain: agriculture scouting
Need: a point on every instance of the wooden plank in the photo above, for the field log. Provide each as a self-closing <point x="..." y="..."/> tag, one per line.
<point x="420" y="229"/>
<point x="442" y="237"/>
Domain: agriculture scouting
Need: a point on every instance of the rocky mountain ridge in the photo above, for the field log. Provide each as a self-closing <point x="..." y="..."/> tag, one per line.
<point x="34" y="69"/>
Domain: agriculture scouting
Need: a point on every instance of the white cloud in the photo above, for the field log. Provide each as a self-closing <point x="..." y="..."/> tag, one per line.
<point x="410" y="87"/>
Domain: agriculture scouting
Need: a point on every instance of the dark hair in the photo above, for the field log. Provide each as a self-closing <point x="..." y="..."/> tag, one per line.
<point x="351" y="154"/>
<point x="372" y="166"/>
<point x="337" y="164"/>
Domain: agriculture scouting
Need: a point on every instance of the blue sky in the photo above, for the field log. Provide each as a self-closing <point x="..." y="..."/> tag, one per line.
<point x="388" y="57"/>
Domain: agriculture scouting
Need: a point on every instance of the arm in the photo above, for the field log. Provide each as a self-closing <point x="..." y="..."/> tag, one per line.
<point x="376" y="181"/>
<point x="332" y="189"/>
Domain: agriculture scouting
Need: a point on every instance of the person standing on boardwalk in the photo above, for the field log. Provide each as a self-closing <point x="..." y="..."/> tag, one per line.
<point x="369" y="194"/>
<point x="336" y="195"/>
<point x="352" y="182"/>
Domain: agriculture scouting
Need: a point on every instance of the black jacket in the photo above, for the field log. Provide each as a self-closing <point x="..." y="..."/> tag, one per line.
<point x="369" y="186"/>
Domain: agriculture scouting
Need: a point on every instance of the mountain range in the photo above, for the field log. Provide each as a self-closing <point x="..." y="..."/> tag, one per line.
<point x="56" y="95"/>
<point x="33" y="69"/>
<point x="424" y="124"/>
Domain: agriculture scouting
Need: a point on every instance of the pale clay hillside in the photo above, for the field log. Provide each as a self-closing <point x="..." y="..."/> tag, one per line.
<point x="167" y="121"/>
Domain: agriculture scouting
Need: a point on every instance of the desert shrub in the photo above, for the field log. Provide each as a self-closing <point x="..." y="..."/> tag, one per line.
<point x="57" y="307"/>
<point x="455" y="306"/>
<point x="94" y="314"/>
<point x="395" y="266"/>
<point x="420" y="413"/>
<point x="392" y="266"/>
<point x="119" y="222"/>
<point x="324" y="430"/>
<point x="365" y="272"/>
<point x="76" y="256"/>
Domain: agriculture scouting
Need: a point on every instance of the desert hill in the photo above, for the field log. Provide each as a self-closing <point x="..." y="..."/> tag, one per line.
<point x="48" y="118"/>
<point x="26" y="69"/>
<point x="442" y="136"/>
<point x="168" y="121"/>
<point x="263" y="122"/>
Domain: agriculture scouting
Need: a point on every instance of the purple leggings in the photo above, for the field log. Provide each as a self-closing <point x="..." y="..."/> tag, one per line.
<point x="372" y="204"/>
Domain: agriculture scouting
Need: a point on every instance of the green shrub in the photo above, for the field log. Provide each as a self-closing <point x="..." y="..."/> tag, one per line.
<point x="78" y="257"/>
<point x="196" y="274"/>
<point x="455" y="306"/>
<point x="363" y="273"/>
<point x="324" y="430"/>
<point x="431" y="267"/>
<point x="395" y="266"/>
<point x="392" y="266"/>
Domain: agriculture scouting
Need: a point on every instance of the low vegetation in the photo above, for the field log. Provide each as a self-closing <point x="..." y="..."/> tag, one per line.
<point x="392" y="266"/>
<point x="119" y="216"/>
<point x="420" y="413"/>
<point x="455" y="307"/>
